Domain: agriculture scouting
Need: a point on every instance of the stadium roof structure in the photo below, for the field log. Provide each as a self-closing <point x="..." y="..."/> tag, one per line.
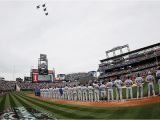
<point x="131" y="52"/>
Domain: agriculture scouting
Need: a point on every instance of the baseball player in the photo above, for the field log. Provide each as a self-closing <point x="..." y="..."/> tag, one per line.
<point x="74" y="92"/>
<point x="50" y="92"/>
<point x="103" y="91"/>
<point x="109" y="86"/>
<point x="84" y="93"/>
<point x="57" y="93"/>
<point x="61" y="92"/>
<point x="96" y="91"/>
<point x="79" y="92"/>
<point x="46" y="93"/>
<point x="41" y="92"/>
<point x="66" y="92"/>
<point x="90" y="93"/>
<point x="53" y="94"/>
<point x="150" y="79"/>
<point x="139" y="82"/>
<point x="158" y="78"/>
<point x="129" y="84"/>
<point x="118" y="84"/>
<point x="70" y="93"/>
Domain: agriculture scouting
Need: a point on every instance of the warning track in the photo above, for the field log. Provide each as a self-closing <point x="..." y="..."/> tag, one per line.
<point x="124" y="103"/>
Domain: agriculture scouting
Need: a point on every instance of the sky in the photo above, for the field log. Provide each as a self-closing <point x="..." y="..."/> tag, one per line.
<point x="75" y="34"/>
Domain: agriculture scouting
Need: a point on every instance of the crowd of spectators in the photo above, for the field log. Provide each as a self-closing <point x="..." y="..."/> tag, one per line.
<point x="76" y="76"/>
<point x="6" y="86"/>
<point x="136" y="62"/>
<point x="131" y="59"/>
<point x="131" y="69"/>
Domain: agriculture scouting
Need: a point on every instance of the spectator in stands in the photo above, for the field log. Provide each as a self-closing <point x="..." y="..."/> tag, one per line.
<point x="150" y="79"/>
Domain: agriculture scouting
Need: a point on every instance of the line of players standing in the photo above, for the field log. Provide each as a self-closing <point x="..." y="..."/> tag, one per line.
<point x="93" y="92"/>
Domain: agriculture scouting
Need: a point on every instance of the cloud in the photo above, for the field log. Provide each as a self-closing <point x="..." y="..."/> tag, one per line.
<point x="75" y="34"/>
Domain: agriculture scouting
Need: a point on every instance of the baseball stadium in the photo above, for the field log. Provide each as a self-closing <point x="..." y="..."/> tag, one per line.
<point x="127" y="87"/>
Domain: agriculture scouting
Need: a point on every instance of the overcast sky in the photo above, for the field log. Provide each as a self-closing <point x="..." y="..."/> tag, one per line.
<point x="75" y="34"/>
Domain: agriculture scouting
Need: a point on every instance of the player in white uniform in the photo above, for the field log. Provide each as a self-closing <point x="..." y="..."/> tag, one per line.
<point x="158" y="78"/>
<point x="96" y="91"/>
<point x="118" y="84"/>
<point x="109" y="86"/>
<point x="90" y="93"/>
<point x="103" y="91"/>
<point x="74" y="92"/>
<point x="54" y="94"/>
<point x="84" y="93"/>
<point x="150" y="79"/>
<point x="50" y="93"/>
<point x="129" y="84"/>
<point x="79" y="92"/>
<point x="70" y="97"/>
<point x="66" y="92"/>
<point x="46" y="92"/>
<point x="139" y="82"/>
<point x="41" y="92"/>
<point x="57" y="93"/>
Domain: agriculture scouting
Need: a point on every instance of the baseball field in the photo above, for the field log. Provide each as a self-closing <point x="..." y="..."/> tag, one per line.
<point x="60" y="110"/>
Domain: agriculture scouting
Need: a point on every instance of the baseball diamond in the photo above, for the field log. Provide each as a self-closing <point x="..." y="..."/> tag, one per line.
<point x="67" y="109"/>
<point x="79" y="59"/>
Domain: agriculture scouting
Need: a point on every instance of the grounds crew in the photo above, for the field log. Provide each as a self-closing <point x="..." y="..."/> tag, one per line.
<point x="139" y="82"/>
<point x="129" y="84"/>
<point x="96" y="91"/>
<point x="118" y="84"/>
<point x="150" y="79"/>
<point x="90" y="93"/>
<point x="84" y="93"/>
<point x="109" y="86"/>
<point x="102" y="91"/>
<point x="158" y="78"/>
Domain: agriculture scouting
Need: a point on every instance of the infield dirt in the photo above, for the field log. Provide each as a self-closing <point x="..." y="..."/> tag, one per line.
<point x="124" y="103"/>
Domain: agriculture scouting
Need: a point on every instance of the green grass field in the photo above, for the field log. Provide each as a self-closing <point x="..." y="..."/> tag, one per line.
<point x="62" y="111"/>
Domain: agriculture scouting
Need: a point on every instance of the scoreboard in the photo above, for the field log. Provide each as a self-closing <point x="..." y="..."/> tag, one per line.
<point x="36" y="77"/>
<point x="44" y="78"/>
